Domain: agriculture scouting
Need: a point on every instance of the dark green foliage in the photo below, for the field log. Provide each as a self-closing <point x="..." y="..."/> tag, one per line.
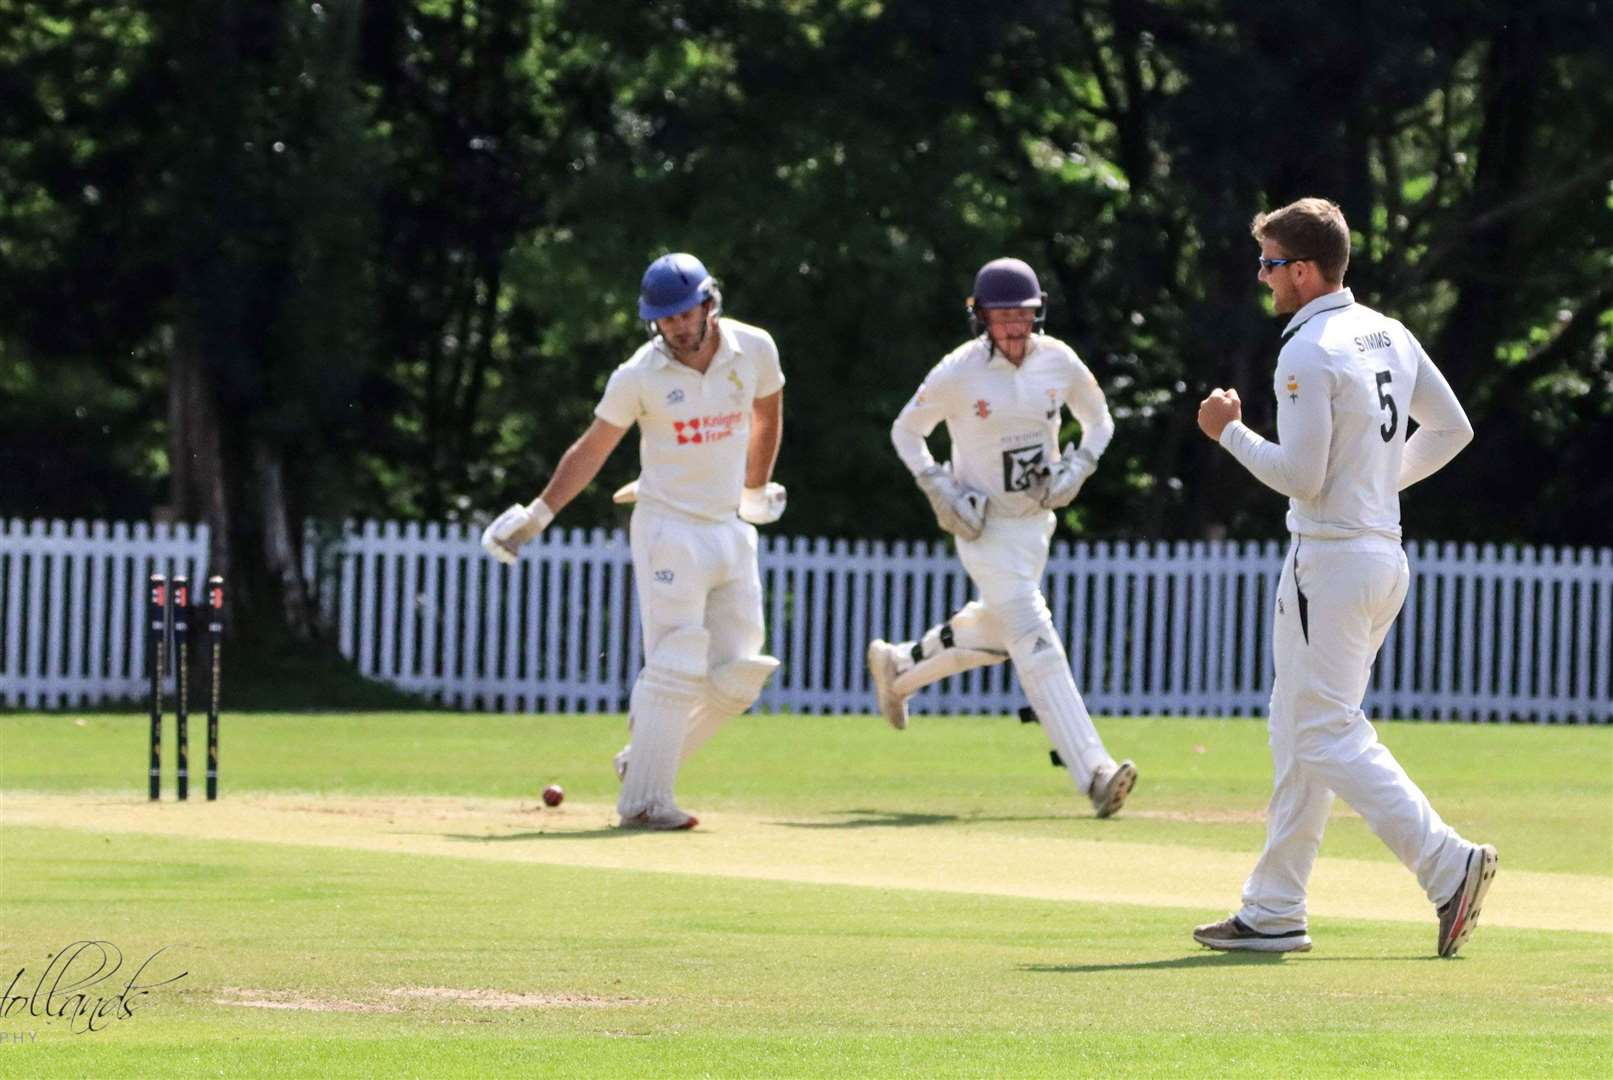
<point x="404" y="239"/>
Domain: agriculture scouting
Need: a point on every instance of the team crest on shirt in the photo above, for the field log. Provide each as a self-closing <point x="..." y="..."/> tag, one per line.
<point x="674" y="397"/>
<point x="1293" y="388"/>
<point x="739" y="384"/>
<point x="982" y="408"/>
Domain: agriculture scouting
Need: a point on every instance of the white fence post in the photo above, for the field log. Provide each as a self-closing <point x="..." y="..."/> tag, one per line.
<point x="1486" y="633"/>
<point x="72" y="632"/>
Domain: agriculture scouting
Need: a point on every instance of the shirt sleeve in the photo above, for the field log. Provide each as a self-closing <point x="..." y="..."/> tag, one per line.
<point x="1442" y="427"/>
<point x="927" y="408"/>
<point x="620" y="405"/>
<point x="1296" y="464"/>
<point x="1091" y="408"/>
<point x="769" y="372"/>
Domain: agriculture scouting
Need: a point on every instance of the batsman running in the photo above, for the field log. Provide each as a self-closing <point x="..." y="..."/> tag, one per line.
<point x="1002" y="395"/>
<point x="707" y="394"/>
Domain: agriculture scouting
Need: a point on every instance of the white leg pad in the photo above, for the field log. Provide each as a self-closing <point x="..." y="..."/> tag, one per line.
<point x="732" y="688"/>
<point x="663" y="698"/>
<point x="967" y="640"/>
<point x="1044" y="674"/>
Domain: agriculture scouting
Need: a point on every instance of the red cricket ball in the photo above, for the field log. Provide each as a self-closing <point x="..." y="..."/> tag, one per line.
<point x="553" y="795"/>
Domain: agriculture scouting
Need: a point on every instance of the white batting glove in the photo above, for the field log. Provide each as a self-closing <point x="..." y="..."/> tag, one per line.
<point x="504" y="537"/>
<point x="958" y="510"/>
<point x="1063" y="481"/>
<point x="762" y="505"/>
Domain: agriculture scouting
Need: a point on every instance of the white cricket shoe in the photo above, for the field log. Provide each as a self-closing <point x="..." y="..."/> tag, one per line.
<point x="666" y="818"/>
<point x="1232" y="933"/>
<point x="1110" y="786"/>
<point x="882" y="669"/>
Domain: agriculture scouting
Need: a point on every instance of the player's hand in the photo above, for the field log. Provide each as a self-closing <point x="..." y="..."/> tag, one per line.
<point x="958" y="510"/>
<point x="762" y="505"/>
<point x="1218" y="410"/>
<point x="503" y="538"/>
<point x="1063" y="481"/>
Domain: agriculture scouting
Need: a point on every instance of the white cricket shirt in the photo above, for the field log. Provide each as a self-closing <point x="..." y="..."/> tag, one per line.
<point x="1347" y="381"/>
<point x="1003" y="419"/>
<point x="694" y="429"/>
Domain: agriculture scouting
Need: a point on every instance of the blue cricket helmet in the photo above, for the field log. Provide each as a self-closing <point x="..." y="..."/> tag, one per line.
<point x="673" y="284"/>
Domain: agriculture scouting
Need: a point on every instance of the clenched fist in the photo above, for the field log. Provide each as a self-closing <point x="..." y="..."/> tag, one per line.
<point x="1217" y="411"/>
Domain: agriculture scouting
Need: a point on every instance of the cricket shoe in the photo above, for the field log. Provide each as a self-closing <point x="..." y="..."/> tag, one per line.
<point x="882" y="669"/>
<point x="1231" y="933"/>
<point x="1110" y="786"/>
<point x="665" y="819"/>
<point x="1460" y="914"/>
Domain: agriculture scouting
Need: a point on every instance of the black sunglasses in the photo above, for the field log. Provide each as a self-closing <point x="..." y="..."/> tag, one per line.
<point x="1272" y="264"/>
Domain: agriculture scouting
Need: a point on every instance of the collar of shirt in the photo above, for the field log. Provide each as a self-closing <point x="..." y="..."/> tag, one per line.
<point x="995" y="359"/>
<point x="727" y="349"/>
<point x="1326" y="302"/>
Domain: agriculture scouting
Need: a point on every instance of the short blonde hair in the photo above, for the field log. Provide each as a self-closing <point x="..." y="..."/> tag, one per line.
<point x="1312" y="229"/>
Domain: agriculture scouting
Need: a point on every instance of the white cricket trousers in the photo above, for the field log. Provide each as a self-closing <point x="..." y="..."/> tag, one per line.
<point x="1336" y="600"/>
<point x="700" y="605"/>
<point x="696" y="573"/>
<point x="1006" y="565"/>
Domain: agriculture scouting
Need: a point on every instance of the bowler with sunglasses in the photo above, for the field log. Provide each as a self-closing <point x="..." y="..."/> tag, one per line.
<point x="1348" y="382"/>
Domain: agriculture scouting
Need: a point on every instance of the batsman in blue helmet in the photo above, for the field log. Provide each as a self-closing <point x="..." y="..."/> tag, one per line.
<point x="707" y="394"/>
<point x="1002" y="395"/>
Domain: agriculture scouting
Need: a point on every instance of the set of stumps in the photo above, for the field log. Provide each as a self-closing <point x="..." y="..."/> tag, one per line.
<point x="168" y="647"/>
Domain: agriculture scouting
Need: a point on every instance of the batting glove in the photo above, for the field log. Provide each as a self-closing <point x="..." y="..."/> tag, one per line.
<point x="504" y="537"/>
<point x="1064" y="479"/>
<point x="762" y="505"/>
<point x="958" y="510"/>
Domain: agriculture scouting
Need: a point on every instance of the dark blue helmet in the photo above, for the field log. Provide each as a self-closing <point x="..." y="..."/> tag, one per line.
<point x="673" y="284"/>
<point x="1006" y="283"/>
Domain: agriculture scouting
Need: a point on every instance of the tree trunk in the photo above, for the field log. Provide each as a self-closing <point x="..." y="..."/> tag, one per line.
<point x="280" y="547"/>
<point x="197" y="491"/>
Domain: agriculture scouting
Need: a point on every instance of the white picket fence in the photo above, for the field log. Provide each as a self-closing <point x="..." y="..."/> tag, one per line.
<point x="73" y="598"/>
<point x="1152" y="628"/>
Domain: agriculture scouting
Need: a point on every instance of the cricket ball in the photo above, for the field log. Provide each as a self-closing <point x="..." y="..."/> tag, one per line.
<point x="553" y="795"/>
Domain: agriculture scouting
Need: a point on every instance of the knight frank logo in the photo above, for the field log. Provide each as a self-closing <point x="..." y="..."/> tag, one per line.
<point x="706" y="429"/>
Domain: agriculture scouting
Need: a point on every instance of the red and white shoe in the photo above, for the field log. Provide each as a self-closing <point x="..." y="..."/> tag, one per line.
<point x="1459" y="915"/>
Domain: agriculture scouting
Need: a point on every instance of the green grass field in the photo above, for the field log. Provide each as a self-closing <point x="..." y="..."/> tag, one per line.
<point x="383" y="894"/>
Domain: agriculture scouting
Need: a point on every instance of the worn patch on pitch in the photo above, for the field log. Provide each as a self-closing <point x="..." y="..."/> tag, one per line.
<point x="298" y="1001"/>
<point x="414" y="998"/>
<point x="505" y="999"/>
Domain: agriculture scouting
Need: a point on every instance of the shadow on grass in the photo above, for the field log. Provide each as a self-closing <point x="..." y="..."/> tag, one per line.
<point x="1178" y="963"/>
<point x="1213" y="959"/>
<point x="570" y="834"/>
<point x="889" y="819"/>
